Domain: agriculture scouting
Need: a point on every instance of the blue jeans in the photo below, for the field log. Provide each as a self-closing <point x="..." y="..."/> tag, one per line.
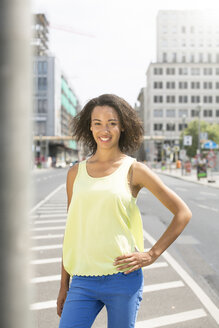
<point x="120" y="293"/>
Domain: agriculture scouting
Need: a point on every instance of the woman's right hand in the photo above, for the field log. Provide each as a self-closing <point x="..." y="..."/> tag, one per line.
<point x="61" y="299"/>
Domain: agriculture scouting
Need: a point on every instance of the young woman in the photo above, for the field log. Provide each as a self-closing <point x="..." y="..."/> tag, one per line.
<point x="103" y="249"/>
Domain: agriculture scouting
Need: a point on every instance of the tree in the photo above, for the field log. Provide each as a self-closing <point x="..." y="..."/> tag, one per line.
<point x="192" y="130"/>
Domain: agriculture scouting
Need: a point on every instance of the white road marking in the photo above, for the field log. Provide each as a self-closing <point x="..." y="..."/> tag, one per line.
<point x="53" y="207"/>
<point x="58" y="215"/>
<point x="46" y="261"/>
<point x="202" y="296"/>
<point x="47" y="236"/>
<point x="165" y="285"/>
<point x="39" y="280"/>
<point x="208" y="193"/>
<point x="40" y="248"/>
<point x="49" y="228"/>
<point x="47" y="198"/>
<point x="49" y="211"/>
<point x="171" y="319"/>
<point x="208" y="208"/>
<point x="156" y="265"/>
<point x="43" y="305"/>
<point x="49" y="221"/>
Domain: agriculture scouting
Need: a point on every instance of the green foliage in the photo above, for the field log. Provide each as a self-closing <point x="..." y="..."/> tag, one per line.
<point x="192" y="130"/>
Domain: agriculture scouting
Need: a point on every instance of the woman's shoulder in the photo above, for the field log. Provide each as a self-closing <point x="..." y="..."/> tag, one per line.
<point x="72" y="172"/>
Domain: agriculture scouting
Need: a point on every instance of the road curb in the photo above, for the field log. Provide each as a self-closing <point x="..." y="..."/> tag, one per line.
<point x="181" y="178"/>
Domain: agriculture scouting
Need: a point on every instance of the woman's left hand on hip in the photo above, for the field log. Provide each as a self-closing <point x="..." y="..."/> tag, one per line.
<point x="133" y="261"/>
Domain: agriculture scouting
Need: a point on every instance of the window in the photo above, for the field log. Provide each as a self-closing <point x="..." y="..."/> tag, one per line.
<point x="42" y="67"/>
<point x="207" y="71"/>
<point x="42" y="105"/>
<point x="170" y="99"/>
<point x="207" y="99"/>
<point x="201" y="58"/>
<point x="42" y="83"/>
<point x="195" y="99"/>
<point x="174" y="57"/>
<point x="217" y="71"/>
<point x="183" y="112"/>
<point x="207" y="85"/>
<point x="158" y="71"/>
<point x="217" y="112"/>
<point x="183" y="71"/>
<point x="158" y="127"/>
<point x="192" y="59"/>
<point x="170" y="113"/>
<point x="158" y="99"/>
<point x="158" y="85"/>
<point x="217" y="58"/>
<point x="207" y="113"/>
<point x="183" y="29"/>
<point x="217" y="99"/>
<point x="195" y="85"/>
<point x="164" y="57"/>
<point x="183" y="58"/>
<point x="217" y="85"/>
<point x="183" y="99"/>
<point x="170" y="127"/>
<point x="158" y="113"/>
<point x="182" y="126"/>
<point x="170" y="71"/>
<point x="195" y="71"/>
<point x="183" y="85"/>
<point x="209" y="58"/>
<point x="41" y="128"/>
<point x="194" y="113"/>
<point x="170" y="85"/>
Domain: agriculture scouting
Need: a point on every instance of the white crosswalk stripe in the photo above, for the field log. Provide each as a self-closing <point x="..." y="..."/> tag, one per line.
<point x="47" y="236"/>
<point x="47" y="261"/>
<point x="49" y="228"/>
<point x="165" y="285"/>
<point x="171" y="319"/>
<point x="40" y="248"/>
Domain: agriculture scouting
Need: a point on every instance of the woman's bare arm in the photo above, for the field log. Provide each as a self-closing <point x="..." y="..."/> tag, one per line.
<point x="65" y="277"/>
<point x="144" y="177"/>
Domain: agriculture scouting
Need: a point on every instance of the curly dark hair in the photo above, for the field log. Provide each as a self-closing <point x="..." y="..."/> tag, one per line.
<point x="130" y="139"/>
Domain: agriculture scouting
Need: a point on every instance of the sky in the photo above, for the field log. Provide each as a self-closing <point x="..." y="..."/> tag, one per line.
<point x="113" y="43"/>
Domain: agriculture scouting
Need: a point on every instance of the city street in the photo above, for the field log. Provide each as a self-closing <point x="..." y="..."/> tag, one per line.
<point x="181" y="289"/>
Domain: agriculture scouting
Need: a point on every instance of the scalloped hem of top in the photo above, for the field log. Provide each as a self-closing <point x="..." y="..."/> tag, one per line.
<point x="97" y="275"/>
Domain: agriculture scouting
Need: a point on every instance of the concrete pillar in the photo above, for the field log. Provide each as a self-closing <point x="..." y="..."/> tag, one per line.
<point x="15" y="161"/>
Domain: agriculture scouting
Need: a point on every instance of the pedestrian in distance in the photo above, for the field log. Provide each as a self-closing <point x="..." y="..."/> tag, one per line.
<point x="103" y="248"/>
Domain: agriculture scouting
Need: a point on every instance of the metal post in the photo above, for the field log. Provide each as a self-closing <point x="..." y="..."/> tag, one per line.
<point x="183" y="127"/>
<point x="15" y="163"/>
<point x="199" y="148"/>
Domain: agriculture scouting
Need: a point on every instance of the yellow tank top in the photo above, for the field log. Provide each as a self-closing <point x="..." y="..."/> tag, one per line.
<point x="103" y="222"/>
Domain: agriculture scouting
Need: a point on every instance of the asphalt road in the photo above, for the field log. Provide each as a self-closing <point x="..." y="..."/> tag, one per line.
<point x="181" y="288"/>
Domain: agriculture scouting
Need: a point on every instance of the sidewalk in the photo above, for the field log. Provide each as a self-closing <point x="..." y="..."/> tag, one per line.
<point x="192" y="177"/>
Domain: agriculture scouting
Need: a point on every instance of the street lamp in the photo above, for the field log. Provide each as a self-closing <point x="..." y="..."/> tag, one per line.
<point x="198" y="108"/>
<point x="183" y="127"/>
<point x="162" y="150"/>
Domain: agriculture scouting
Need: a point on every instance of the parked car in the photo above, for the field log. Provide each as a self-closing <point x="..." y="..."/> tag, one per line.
<point x="60" y="164"/>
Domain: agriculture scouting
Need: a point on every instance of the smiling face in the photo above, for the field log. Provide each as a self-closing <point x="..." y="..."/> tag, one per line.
<point x="105" y="126"/>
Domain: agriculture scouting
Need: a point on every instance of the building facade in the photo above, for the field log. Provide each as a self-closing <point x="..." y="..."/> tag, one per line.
<point x="54" y="105"/>
<point x="184" y="78"/>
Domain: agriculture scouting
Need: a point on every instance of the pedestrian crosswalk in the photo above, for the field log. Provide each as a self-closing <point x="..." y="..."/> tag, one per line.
<point x="170" y="296"/>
